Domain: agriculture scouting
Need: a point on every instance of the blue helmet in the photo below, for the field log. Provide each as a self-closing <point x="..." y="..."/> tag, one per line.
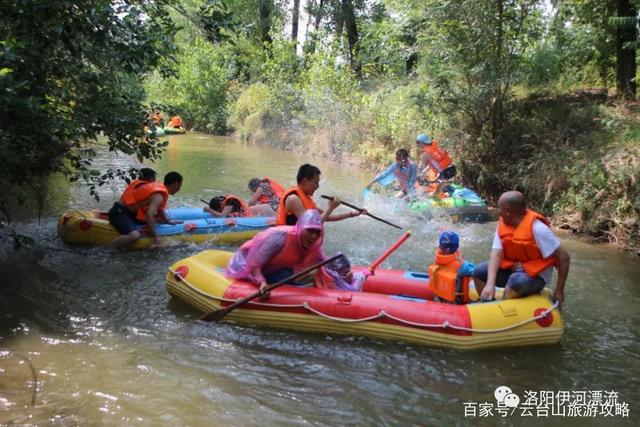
<point x="449" y="242"/>
<point x="423" y="138"/>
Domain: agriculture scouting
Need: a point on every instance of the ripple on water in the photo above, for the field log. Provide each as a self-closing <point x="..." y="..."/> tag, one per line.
<point x="111" y="348"/>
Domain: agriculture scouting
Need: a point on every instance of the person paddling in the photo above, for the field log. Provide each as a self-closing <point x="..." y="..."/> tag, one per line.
<point x="280" y="251"/>
<point x="299" y="198"/>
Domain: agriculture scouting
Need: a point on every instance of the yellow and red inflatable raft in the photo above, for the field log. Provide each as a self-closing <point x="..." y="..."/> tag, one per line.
<point x="394" y="305"/>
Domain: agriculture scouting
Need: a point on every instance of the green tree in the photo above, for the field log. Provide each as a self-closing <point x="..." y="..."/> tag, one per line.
<point x="69" y="72"/>
<point x="611" y="28"/>
<point x="475" y="53"/>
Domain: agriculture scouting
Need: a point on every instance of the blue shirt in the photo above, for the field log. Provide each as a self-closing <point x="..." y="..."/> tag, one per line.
<point x="405" y="175"/>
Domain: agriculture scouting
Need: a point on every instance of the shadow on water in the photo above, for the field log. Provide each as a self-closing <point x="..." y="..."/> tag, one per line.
<point x="110" y="346"/>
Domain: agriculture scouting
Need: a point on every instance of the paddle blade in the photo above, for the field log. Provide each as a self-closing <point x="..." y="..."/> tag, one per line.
<point x="215" y="316"/>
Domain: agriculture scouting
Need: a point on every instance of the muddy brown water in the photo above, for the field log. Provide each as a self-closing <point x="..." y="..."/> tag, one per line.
<point x="109" y="346"/>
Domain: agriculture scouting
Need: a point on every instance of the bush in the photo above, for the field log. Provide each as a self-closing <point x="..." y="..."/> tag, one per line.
<point x="198" y="90"/>
<point x="249" y="110"/>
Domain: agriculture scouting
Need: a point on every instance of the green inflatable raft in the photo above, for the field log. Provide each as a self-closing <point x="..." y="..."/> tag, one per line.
<point x="463" y="204"/>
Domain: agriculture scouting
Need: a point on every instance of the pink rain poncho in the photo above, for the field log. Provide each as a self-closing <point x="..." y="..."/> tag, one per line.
<point x="334" y="276"/>
<point x="258" y="256"/>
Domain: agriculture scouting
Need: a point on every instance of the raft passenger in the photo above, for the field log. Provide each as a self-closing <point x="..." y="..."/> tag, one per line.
<point x="405" y="172"/>
<point x="433" y="156"/>
<point x="145" y="204"/>
<point x="278" y="252"/>
<point x="523" y="254"/>
<point x="299" y="198"/>
<point x="175" y="122"/>
<point x="233" y="206"/>
<point x="157" y="119"/>
<point x="145" y="176"/>
<point x="338" y="275"/>
<point x="266" y="191"/>
<point x="449" y="275"/>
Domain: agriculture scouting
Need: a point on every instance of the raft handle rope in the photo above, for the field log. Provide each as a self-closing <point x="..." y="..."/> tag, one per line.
<point x="382" y="314"/>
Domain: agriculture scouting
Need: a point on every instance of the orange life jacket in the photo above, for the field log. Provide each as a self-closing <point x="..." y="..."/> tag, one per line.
<point x="276" y="187"/>
<point x="438" y="157"/>
<point x="127" y="196"/>
<point x="444" y="281"/>
<point x="243" y="205"/>
<point x="274" y="190"/>
<point x="519" y="245"/>
<point x="285" y="217"/>
<point x="291" y="256"/>
<point x="431" y="186"/>
<point x="175" y="122"/>
<point x="142" y="195"/>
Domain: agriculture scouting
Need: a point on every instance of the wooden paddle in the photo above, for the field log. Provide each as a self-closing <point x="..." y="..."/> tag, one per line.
<point x="361" y="209"/>
<point x="217" y="315"/>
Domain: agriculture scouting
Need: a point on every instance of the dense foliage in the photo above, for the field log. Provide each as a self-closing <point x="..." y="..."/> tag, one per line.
<point x="69" y="72"/>
<point x="501" y="83"/>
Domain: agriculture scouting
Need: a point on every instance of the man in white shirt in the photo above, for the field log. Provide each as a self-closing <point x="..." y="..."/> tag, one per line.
<point x="523" y="254"/>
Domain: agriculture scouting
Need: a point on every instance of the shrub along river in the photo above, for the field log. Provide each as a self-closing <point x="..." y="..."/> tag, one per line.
<point x="110" y="347"/>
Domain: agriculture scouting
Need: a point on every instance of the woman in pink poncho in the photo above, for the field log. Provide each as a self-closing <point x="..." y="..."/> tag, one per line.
<point x="279" y="252"/>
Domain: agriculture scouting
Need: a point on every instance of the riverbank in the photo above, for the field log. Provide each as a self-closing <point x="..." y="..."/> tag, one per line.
<point x="576" y="156"/>
<point x="75" y="311"/>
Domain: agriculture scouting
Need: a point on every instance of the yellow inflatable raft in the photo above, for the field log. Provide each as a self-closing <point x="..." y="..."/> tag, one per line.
<point x="394" y="305"/>
<point x="82" y="227"/>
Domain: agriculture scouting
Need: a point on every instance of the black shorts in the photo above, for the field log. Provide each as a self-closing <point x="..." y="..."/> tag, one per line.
<point x="448" y="173"/>
<point x="122" y="219"/>
<point x="517" y="280"/>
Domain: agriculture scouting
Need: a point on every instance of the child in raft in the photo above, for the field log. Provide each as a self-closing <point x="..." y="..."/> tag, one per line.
<point x="338" y="275"/>
<point x="449" y="275"/>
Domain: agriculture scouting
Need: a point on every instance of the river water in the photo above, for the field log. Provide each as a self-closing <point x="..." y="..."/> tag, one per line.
<point x="110" y="347"/>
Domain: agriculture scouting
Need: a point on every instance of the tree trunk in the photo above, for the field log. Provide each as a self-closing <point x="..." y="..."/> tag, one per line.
<point x="497" y="106"/>
<point x="266" y="7"/>
<point x="295" y="18"/>
<point x="349" y="19"/>
<point x="320" y="11"/>
<point x="626" y="56"/>
<point x="312" y="36"/>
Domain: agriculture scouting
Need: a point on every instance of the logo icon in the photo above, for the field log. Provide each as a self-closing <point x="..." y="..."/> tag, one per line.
<point x="501" y="392"/>
<point x="511" y="400"/>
